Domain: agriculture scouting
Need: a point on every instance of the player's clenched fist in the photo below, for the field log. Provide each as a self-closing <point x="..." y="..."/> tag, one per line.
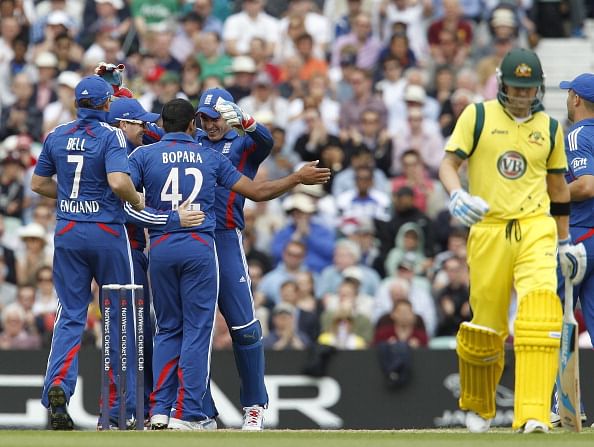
<point x="466" y="208"/>
<point x="573" y="260"/>
<point x="235" y="116"/>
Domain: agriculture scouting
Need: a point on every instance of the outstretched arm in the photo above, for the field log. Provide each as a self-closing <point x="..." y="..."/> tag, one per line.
<point x="260" y="191"/>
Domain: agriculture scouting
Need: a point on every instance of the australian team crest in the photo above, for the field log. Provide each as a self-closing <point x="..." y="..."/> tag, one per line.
<point x="511" y="165"/>
<point x="536" y="138"/>
<point x="523" y="71"/>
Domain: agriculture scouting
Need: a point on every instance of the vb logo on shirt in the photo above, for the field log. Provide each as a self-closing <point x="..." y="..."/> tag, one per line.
<point x="511" y="165"/>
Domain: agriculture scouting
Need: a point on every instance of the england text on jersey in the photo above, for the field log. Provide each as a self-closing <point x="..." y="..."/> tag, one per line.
<point x="79" y="206"/>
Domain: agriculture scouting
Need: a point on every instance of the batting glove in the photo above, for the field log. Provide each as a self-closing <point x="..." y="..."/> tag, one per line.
<point x="466" y="208"/>
<point x="573" y="260"/>
<point x="235" y="116"/>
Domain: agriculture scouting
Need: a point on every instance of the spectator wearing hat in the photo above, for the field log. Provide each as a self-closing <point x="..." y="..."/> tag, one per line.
<point x="361" y="231"/>
<point x="244" y="73"/>
<point x="213" y="61"/>
<point x="62" y="110"/>
<point x="54" y="20"/>
<point x="264" y="98"/>
<point x="317" y="238"/>
<point x="57" y="22"/>
<point x="239" y="29"/>
<point x="22" y="116"/>
<point x="285" y="335"/>
<point x="34" y="256"/>
<point x="361" y="38"/>
<point x="47" y="67"/>
<point x="14" y="336"/>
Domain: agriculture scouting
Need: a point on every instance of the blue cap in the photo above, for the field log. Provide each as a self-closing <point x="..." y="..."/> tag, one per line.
<point x="123" y="109"/>
<point x="583" y="86"/>
<point x="209" y="99"/>
<point x="94" y="88"/>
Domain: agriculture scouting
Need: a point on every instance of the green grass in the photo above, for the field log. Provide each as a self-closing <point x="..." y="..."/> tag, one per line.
<point x="294" y="438"/>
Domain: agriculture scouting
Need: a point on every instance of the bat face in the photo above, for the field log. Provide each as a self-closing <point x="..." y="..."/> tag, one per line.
<point x="569" y="382"/>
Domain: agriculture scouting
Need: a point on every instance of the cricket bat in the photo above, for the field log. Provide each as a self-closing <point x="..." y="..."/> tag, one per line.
<point x="568" y="378"/>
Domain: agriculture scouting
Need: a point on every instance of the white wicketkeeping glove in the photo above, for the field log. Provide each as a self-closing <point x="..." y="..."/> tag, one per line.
<point x="466" y="208"/>
<point x="573" y="260"/>
<point x="235" y="116"/>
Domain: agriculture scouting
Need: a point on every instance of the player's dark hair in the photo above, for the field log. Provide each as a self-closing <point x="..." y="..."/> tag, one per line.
<point x="85" y="103"/>
<point x="177" y="115"/>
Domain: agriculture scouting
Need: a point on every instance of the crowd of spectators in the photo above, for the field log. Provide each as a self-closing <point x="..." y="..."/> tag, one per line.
<point x="371" y="88"/>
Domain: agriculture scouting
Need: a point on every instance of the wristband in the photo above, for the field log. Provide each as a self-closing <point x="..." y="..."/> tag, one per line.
<point x="560" y="208"/>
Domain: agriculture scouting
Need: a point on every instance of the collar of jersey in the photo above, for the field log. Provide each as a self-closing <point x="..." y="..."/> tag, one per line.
<point x="178" y="136"/>
<point x="91" y="115"/>
<point x="584" y="122"/>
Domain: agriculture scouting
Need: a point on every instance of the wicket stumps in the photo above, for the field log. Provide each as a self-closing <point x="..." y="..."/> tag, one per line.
<point x="119" y="294"/>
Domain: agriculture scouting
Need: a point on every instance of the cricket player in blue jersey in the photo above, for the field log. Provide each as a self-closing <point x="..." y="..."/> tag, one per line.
<point x="130" y="117"/>
<point x="88" y="158"/>
<point x="183" y="267"/>
<point x="246" y="144"/>
<point x="579" y="148"/>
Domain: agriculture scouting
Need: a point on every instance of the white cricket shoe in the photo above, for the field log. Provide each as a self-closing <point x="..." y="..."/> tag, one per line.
<point x="534" y="426"/>
<point x="253" y="418"/>
<point x="159" y="421"/>
<point x="476" y="424"/>
<point x="180" y="424"/>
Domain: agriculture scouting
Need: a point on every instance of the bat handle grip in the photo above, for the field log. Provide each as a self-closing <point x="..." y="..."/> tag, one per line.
<point x="568" y="304"/>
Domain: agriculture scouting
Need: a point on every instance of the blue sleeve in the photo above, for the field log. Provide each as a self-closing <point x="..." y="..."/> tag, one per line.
<point x="227" y="174"/>
<point x="580" y="156"/>
<point x="116" y="154"/>
<point x="152" y="133"/>
<point x="262" y="138"/>
<point x="320" y="241"/>
<point x="281" y="239"/>
<point x="45" y="166"/>
<point x="152" y="218"/>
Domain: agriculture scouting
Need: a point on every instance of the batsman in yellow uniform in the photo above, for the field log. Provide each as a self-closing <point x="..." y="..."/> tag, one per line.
<point x="517" y="207"/>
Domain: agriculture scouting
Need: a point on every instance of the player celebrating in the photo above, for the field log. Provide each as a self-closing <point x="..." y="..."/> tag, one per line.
<point x="517" y="207"/>
<point x="89" y="158"/>
<point x="183" y="267"/>
<point x="246" y="152"/>
<point x="128" y="115"/>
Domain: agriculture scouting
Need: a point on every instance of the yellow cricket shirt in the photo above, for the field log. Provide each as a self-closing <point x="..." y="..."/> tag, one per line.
<point x="507" y="160"/>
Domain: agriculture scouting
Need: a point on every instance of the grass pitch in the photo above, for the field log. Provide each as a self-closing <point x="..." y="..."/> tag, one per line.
<point x="295" y="438"/>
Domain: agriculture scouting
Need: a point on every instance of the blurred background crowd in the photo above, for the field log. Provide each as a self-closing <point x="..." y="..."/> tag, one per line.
<point x="371" y="88"/>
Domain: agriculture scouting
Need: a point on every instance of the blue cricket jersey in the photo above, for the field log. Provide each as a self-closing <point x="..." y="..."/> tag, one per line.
<point x="177" y="168"/>
<point x="579" y="147"/>
<point x="246" y="153"/>
<point x="82" y="153"/>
